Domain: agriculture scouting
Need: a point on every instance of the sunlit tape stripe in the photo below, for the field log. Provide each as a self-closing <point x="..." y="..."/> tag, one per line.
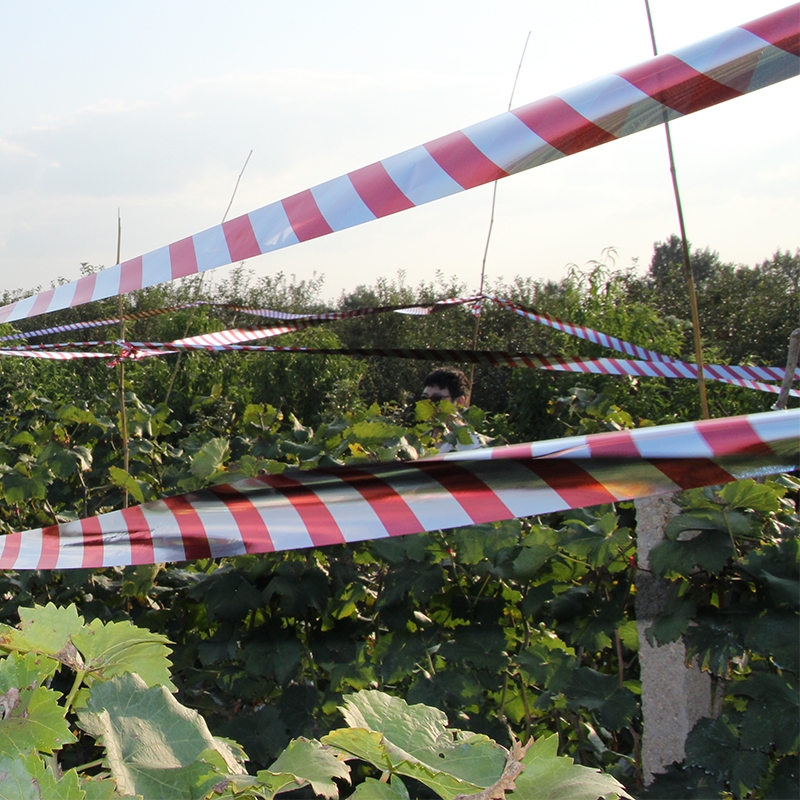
<point x="51" y="547"/>
<point x="192" y="531"/>
<point x="388" y="505"/>
<point x="350" y="510"/>
<point x="10" y="545"/>
<point x="419" y="177"/>
<point x="714" y="58"/>
<point x="623" y="481"/>
<point x="561" y="126"/>
<point x="316" y="517"/>
<point x="575" y="484"/>
<point x="240" y="238"/>
<point x="378" y="191"/>
<point x="248" y="521"/>
<point x="465" y="484"/>
<point x="62" y="546"/>
<point x="287" y="529"/>
<point x="340" y="204"/>
<point x="522" y="492"/>
<point x="609" y="102"/>
<point x="739" y="438"/>
<point x="219" y="524"/>
<point x="571" y="482"/>
<point x="93" y="551"/>
<point x="779" y="28"/>
<point x="427" y="500"/>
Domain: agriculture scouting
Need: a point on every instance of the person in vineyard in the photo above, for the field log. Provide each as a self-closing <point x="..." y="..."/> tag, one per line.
<point x="450" y="384"/>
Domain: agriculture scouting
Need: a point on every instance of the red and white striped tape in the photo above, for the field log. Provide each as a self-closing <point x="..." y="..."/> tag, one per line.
<point x="349" y="504"/>
<point x="717" y="69"/>
<point x="589" y="334"/>
<point x="747" y="377"/>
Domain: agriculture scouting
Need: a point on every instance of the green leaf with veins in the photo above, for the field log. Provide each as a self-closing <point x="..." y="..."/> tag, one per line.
<point x="44" y="629"/>
<point x="306" y="761"/>
<point x="371" y="789"/>
<point x="415" y="741"/>
<point x="154" y="745"/>
<point x="25" y="671"/>
<point x="32" y="720"/>
<point x="113" y="648"/>
<point x="548" y="776"/>
<point x="27" y="778"/>
<point x="126" y="482"/>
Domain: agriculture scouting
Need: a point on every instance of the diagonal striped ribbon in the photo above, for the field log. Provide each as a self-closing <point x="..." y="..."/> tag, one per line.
<point x="741" y="60"/>
<point x="321" y="507"/>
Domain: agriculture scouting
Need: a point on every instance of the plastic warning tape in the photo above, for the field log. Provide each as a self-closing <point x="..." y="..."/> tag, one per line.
<point x="321" y="507"/>
<point x="717" y="69"/>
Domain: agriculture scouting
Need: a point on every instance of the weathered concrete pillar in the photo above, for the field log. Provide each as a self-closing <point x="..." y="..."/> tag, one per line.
<point x="674" y="697"/>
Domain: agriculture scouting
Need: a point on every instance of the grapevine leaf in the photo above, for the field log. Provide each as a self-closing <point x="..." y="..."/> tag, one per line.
<point x="27" y="778"/>
<point x="361" y="743"/>
<point x="113" y="648"/>
<point x="154" y="745"/>
<point x="33" y="720"/>
<point x="25" y="671"/>
<point x="307" y="761"/>
<point x="749" y="494"/>
<point x="375" y="790"/>
<point x="44" y="629"/>
<point x="417" y="743"/>
<point x="548" y="776"/>
<point x="100" y="789"/>
<point x="19" y="488"/>
<point x="126" y="482"/>
<point x="210" y="458"/>
<point x="709" y="550"/>
<point x="370" y="433"/>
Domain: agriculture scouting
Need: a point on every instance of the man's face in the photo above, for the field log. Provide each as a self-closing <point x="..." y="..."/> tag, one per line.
<point x="436" y="393"/>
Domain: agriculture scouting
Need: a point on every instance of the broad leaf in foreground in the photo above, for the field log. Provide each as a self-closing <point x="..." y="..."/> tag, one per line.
<point x="29" y="779"/>
<point x="548" y="776"/>
<point x="32" y="720"/>
<point x="415" y="741"/>
<point x="114" y="648"/>
<point x="154" y="745"/>
<point x="44" y="629"/>
<point x="305" y="761"/>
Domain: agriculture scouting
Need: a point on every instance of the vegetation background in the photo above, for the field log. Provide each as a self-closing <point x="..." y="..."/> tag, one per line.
<point x="525" y="627"/>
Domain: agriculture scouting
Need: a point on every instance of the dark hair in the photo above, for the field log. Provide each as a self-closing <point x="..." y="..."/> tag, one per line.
<point x="450" y="378"/>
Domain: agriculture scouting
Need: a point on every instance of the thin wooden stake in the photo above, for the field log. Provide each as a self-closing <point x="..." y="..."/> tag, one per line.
<point x="791" y="365"/>
<point x="687" y="265"/>
<point x="489" y="232"/>
<point x="194" y="310"/>
<point x="123" y="410"/>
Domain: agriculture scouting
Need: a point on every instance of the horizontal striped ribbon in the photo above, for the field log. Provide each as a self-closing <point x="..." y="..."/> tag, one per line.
<point x="321" y="507"/>
<point x="728" y="65"/>
<point x="747" y="377"/>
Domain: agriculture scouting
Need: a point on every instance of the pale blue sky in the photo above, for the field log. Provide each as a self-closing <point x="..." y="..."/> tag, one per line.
<point x="152" y="107"/>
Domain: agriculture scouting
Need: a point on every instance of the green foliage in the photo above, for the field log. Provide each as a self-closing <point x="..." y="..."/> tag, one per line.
<point x="156" y="748"/>
<point x="733" y="557"/>
<point x="524" y="628"/>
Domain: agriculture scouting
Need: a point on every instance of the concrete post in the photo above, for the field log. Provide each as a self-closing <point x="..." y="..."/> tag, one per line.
<point x="674" y="696"/>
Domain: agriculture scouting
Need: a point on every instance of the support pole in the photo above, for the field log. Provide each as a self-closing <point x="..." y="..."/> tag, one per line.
<point x="791" y="365"/>
<point x="687" y="265"/>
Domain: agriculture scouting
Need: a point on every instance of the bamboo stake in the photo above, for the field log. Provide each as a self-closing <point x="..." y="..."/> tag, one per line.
<point x="687" y="265"/>
<point x="489" y="232"/>
<point x="194" y="310"/>
<point x="123" y="410"/>
<point x="791" y="364"/>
